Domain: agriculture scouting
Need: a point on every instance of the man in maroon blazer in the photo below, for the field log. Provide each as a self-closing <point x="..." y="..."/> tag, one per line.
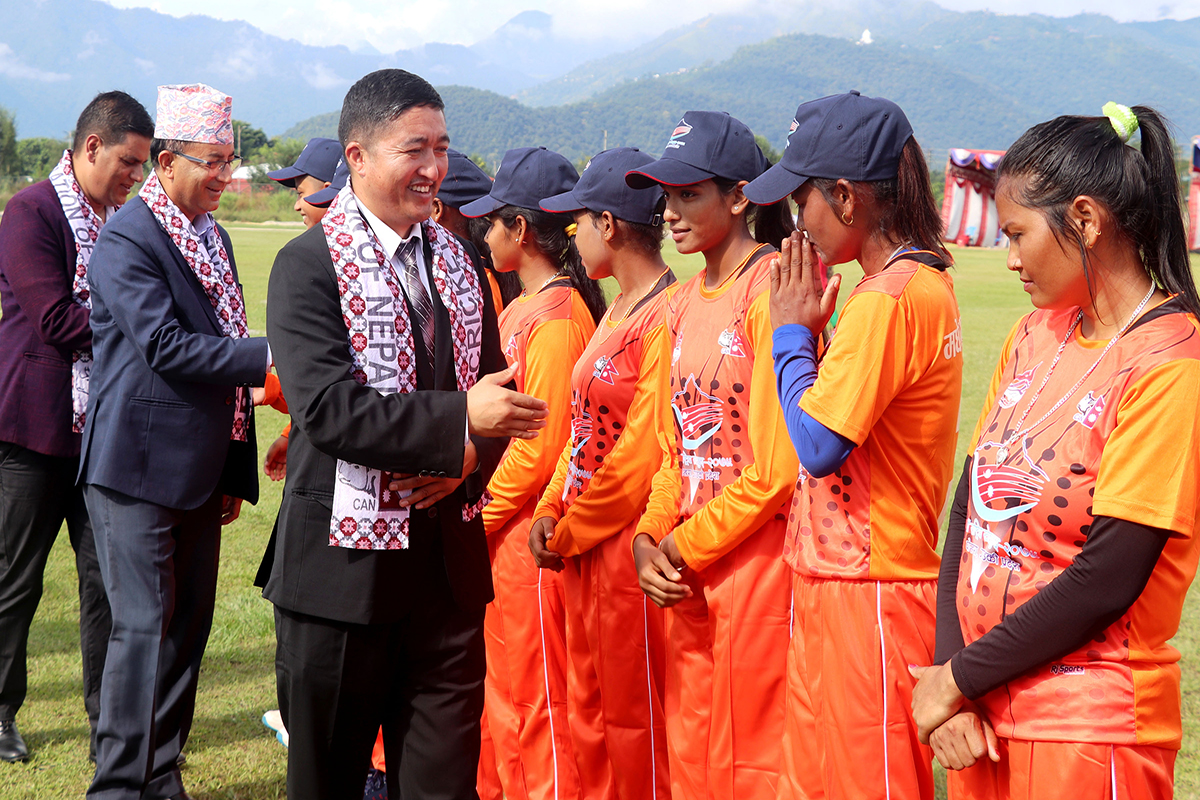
<point x="46" y="236"/>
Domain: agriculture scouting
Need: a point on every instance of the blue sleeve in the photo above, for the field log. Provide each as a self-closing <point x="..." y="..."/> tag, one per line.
<point x="821" y="450"/>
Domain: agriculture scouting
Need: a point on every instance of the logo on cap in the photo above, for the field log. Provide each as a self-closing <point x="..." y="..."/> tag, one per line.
<point x="791" y="130"/>
<point x="681" y="130"/>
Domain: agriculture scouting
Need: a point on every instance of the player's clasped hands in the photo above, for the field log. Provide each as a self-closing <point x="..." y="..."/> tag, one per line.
<point x="796" y="294"/>
<point x="958" y="735"/>
<point x="659" y="578"/>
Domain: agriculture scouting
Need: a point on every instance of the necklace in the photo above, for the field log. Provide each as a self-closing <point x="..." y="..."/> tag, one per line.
<point x="736" y="270"/>
<point x="635" y="303"/>
<point x="555" y="276"/>
<point x="1002" y="451"/>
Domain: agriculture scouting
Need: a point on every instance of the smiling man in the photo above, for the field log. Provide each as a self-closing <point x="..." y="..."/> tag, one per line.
<point x="168" y="449"/>
<point x="46" y="241"/>
<point x="384" y="342"/>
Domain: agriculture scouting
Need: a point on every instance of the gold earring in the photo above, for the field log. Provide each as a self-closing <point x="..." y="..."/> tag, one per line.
<point x="847" y="222"/>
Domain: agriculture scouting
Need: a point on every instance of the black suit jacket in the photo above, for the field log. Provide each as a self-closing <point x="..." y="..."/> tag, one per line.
<point x="160" y="405"/>
<point x="333" y="417"/>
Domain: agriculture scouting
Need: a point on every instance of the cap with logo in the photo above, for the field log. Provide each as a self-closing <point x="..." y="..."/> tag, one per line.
<point x="319" y="158"/>
<point x="341" y="175"/>
<point x="526" y="175"/>
<point x="705" y="144"/>
<point x="602" y="187"/>
<point x="841" y="136"/>
<point x="465" y="182"/>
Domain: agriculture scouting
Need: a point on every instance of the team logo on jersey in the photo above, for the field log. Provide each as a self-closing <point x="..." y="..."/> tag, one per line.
<point x="999" y="492"/>
<point x="1016" y="390"/>
<point x="510" y="349"/>
<point x="1088" y="410"/>
<point x="732" y="344"/>
<point x="604" y="370"/>
<point x="677" y="351"/>
<point x="681" y="130"/>
<point x="699" y="419"/>
<point x="581" y="431"/>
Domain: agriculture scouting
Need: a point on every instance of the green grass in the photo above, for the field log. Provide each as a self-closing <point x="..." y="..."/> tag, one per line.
<point x="230" y="754"/>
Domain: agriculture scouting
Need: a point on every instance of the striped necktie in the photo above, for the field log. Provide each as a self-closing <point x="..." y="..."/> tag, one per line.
<point x="417" y="294"/>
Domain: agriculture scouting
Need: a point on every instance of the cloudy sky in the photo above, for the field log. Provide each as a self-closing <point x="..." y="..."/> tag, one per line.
<point x="391" y="24"/>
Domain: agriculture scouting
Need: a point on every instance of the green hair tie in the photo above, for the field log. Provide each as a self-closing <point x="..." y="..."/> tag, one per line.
<point x="1123" y="120"/>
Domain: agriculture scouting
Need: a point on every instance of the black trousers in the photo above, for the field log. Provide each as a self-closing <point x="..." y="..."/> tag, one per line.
<point x="160" y="570"/>
<point x="37" y="494"/>
<point x="420" y="679"/>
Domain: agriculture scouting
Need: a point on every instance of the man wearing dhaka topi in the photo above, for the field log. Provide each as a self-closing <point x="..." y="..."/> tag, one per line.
<point x="168" y="446"/>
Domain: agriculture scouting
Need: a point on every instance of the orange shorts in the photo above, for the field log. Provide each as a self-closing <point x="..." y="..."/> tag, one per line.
<point x="1054" y="770"/>
<point x="850" y="732"/>
<point x="616" y="648"/>
<point x="525" y="692"/>
<point x="726" y="659"/>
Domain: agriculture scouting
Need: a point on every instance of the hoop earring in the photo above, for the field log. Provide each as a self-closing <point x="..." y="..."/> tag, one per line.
<point x="847" y="222"/>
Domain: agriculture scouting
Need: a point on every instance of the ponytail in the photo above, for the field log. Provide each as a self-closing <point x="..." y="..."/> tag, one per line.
<point x="551" y="239"/>
<point x="1056" y="161"/>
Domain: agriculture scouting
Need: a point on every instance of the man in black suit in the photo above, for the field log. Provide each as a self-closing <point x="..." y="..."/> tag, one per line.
<point x="168" y="450"/>
<point x="388" y="353"/>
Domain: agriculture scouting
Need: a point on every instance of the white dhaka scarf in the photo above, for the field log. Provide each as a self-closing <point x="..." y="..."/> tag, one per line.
<point x="380" y="339"/>
<point x="215" y="275"/>
<point x="85" y="225"/>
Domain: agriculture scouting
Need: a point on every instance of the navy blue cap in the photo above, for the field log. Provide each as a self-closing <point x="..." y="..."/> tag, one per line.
<point x="465" y="182"/>
<point x="841" y="136"/>
<point x="526" y="175"/>
<point x="319" y="159"/>
<point x="705" y="144"/>
<point x="602" y="187"/>
<point x="323" y="198"/>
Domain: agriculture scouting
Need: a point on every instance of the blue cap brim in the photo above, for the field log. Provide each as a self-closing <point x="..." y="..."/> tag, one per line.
<point x="323" y="198"/>
<point x="481" y="207"/>
<point x="286" y="176"/>
<point x="564" y="203"/>
<point x="773" y="185"/>
<point x="666" y="172"/>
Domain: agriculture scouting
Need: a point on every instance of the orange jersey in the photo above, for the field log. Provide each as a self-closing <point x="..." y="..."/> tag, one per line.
<point x="1124" y="444"/>
<point x="733" y="464"/>
<point x="615" y="386"/>
<point x="543" y="335"/>
<point x="497" y="298"/>
<point x="891" y="382"/>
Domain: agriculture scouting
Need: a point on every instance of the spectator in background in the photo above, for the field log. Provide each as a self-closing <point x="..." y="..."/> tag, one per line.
<point x="46" y="239"/>
<point x="312" y="172"/>
<point x="168" y="451"/>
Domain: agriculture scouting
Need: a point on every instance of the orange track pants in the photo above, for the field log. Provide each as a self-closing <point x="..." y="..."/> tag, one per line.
<point x="726" y="660"/>
<point x="1055" y="770"/>
<point x="526" y="687"/>
<point x="615" y="676"/>
<point x="850" y="732"/>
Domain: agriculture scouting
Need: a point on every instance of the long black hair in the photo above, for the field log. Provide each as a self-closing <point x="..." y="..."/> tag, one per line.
<point x="551" y="239"/>
<point x="1057" y="161"/>
<point x="907" y="209"/>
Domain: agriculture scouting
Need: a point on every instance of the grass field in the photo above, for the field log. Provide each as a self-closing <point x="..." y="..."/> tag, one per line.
<point x="230" y="754"/>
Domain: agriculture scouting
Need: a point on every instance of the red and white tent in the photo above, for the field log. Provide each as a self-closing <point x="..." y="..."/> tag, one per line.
<point x="1194" y="198"/>
<point x="969" y="205"/>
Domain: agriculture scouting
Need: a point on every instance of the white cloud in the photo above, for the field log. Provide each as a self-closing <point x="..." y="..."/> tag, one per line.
<point x="90" y="39"/>
<point x="322" y="77"/>
<point x="11" y="66"/>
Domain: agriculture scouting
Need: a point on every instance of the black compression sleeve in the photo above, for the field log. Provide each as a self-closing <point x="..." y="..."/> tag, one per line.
<point x="1105" y="579"/>
<point x="949" y="632"/>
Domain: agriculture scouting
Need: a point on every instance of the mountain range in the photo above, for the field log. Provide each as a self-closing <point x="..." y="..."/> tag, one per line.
<point x="965" y="79"/>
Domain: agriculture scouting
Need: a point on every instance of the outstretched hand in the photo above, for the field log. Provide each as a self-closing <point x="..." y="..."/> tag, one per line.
<point x="796" y="294"/>
<point x="493" y="410"/>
